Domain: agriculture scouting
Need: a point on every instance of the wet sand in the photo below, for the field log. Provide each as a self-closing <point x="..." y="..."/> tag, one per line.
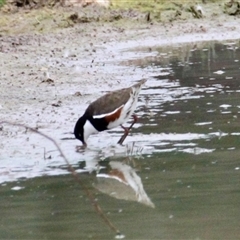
<point x="47" y="80"/>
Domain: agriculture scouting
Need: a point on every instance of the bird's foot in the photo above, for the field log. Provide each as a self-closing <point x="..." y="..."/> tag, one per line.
<point x="81" y="148"/>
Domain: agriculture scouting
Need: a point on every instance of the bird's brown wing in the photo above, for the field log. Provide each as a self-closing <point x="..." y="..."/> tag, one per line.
<point x="109" y="102"/>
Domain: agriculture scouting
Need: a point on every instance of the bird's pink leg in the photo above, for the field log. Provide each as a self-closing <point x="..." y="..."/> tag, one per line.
<point x="135" y="119"/>
<point x="127" y="129"/>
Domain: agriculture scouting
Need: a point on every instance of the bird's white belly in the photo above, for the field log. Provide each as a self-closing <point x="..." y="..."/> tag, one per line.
<point x="88" y="130"/>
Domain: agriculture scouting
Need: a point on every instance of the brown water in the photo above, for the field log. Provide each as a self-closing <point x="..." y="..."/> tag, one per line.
<point x="185" y="161"/>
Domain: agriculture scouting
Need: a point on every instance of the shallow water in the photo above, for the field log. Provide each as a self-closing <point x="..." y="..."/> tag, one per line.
<point x="179" y="169"/>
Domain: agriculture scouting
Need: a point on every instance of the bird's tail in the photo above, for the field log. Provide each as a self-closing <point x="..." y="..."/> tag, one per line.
<point x="139" y="84"/>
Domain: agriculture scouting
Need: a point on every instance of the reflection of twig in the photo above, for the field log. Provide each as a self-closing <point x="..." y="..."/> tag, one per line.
<point x="73" y="172"/>
<point x="132" y="148"/>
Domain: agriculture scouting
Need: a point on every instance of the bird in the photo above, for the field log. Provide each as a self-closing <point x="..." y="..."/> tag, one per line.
<point x="109" y="111"/>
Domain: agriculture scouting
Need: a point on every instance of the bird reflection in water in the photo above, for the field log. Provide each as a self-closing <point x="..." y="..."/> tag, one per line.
<point x="119" y="180"/>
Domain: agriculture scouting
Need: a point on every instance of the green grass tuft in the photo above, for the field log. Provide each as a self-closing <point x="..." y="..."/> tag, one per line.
<point x="2" y="2"/>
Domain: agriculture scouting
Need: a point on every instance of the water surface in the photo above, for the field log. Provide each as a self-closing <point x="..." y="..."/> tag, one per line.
<point x="181" y="163"/>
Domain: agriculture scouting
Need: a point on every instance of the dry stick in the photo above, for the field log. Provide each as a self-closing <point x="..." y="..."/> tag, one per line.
<point x="73" y="172"/>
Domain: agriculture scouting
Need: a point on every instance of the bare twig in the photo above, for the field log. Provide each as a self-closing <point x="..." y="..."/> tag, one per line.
<point x="73" y="172"/>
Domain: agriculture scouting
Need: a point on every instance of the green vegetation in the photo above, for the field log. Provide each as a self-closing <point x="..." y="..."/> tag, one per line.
<point x="45" y="19"/>
<point x="153" y="5"/>
<point x="163" y="10"/>
<point x="2" y="3"/>
<point x="142" y="5"/>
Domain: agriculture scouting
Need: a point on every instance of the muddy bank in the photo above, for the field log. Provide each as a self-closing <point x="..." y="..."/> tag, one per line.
<point x="48" y="79"/>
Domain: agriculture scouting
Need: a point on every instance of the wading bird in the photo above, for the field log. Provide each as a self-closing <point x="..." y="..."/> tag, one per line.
<point x="109" y="111"/>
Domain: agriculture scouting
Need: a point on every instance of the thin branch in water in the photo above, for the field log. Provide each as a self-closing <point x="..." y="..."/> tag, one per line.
<point x="74" y="174"/>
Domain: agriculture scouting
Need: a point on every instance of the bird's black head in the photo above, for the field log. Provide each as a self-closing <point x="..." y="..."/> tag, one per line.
<point x="79" y="129"/>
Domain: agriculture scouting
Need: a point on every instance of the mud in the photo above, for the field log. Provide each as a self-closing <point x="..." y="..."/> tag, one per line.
<point x="49" y="78"/>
